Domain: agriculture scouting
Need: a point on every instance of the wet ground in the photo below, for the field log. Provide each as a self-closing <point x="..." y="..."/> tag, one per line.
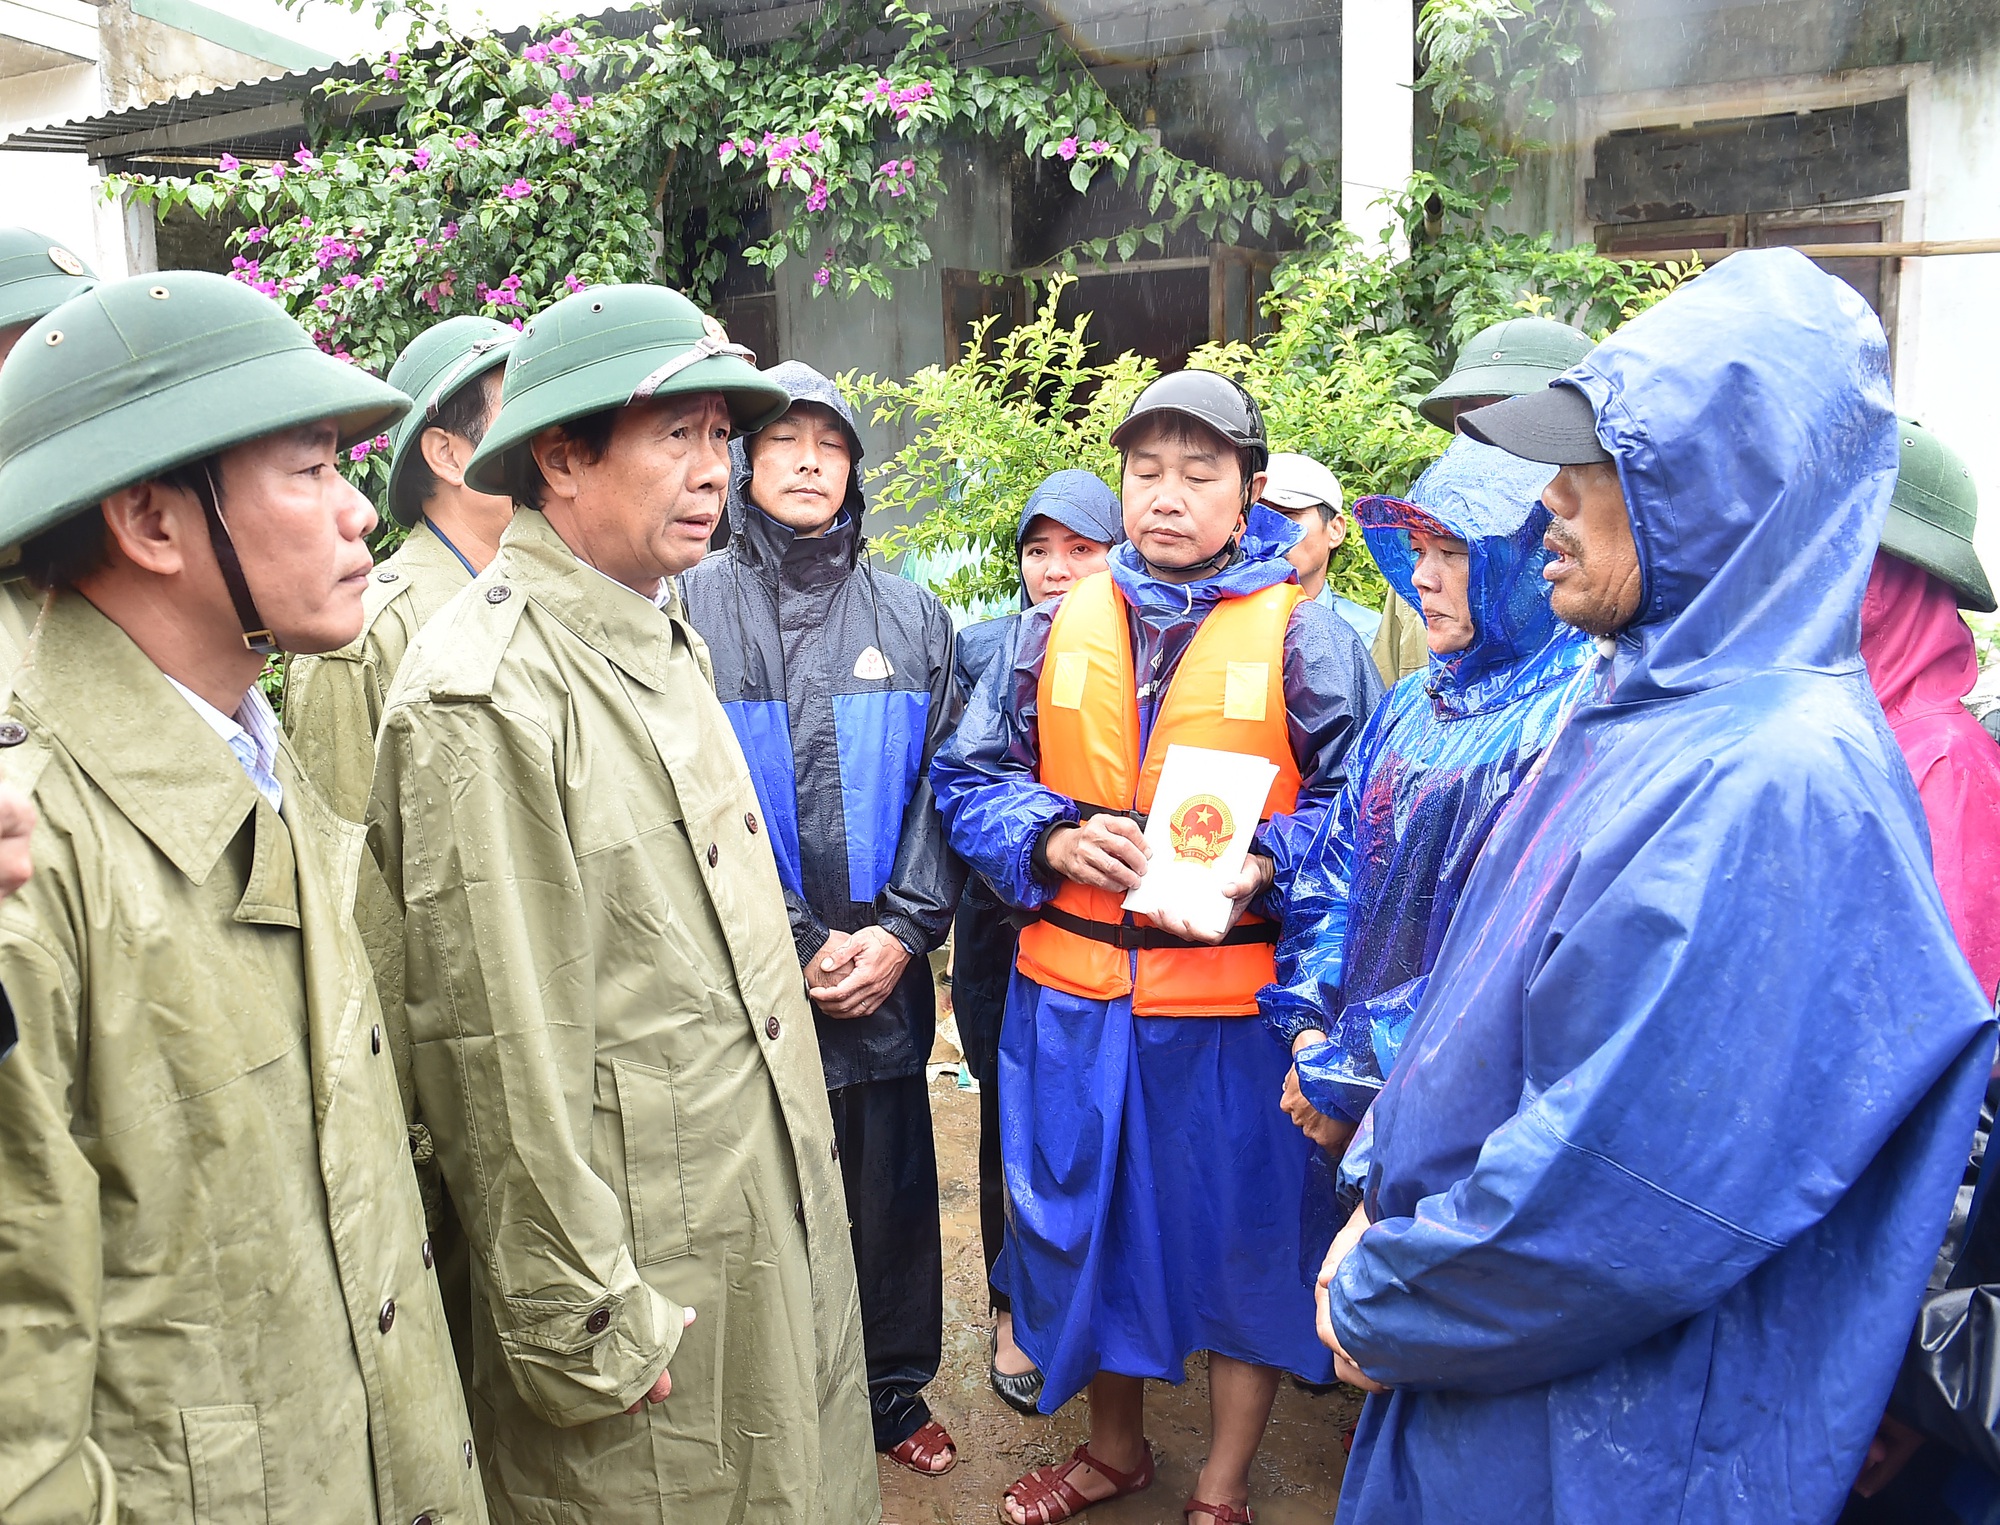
<point x="1297" y="1476"/>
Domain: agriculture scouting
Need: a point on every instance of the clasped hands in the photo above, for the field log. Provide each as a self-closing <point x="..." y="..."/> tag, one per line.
<point x="1109" y="852"/>
<point x="1343" y="1245"/>
<point x="853" y="972"/>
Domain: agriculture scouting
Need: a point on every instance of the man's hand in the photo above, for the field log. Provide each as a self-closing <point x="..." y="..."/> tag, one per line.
<point x="853" y="974"/>
<point x="1251" y="880"/>
<point x="658" y="1392"/>
<point x="1888" y="1453"/>
<point x="1343" y="1245"/>
<point x="1107" y="852"/>
<point x="17" y="826"/>
<point x="1330" y="1133"/>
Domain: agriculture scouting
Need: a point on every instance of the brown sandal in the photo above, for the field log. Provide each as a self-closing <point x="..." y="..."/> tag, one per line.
<point x="921" y="1449"/>
<point x="1221" y="1514"/>
<point x="1047" y="1496"/>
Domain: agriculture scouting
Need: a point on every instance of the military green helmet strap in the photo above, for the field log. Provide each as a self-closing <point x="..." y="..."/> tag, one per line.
<point x="256" y="634"/>
<point x="707" y="347"/>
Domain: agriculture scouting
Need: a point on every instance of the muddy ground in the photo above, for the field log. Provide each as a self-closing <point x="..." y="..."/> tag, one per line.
<point x="1298" y="1472"/>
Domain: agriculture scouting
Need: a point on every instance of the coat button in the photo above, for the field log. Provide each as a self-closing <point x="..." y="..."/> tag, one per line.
<point x="750" y="820"/>
<point x="468" y="1453"/>
<point x="387" y="576"/>
<point x="836" y="1149"/>
<point x="387" y="1317"/>
<point x="714" y="854"/>
<point x="499" y="594"/>
<point x="799" y="1213"/>
<point x="599" y="1321"/>
<point x="422" y="1519"/>
<point x="772" y="1028"/>
<point x="375" y="1039"/>
<point x="12" y="733"/>
<point x="430" y="1255"/>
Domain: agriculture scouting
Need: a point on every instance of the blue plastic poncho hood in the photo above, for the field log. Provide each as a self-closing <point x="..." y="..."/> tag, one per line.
<point x="1426" y="781"/>
<point x="1077" y="500"/>
<point x="1492" y="501"/>
<point x="1666" y="1158"/>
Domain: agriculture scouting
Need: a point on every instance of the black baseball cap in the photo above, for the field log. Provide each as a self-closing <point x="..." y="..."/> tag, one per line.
<point x="1556" y="426"/>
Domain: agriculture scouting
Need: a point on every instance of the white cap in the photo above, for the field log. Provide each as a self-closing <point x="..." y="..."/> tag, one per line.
<point x="1299" y="481"/>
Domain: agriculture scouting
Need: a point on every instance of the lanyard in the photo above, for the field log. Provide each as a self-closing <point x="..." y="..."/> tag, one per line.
<point x="470" y="569"/>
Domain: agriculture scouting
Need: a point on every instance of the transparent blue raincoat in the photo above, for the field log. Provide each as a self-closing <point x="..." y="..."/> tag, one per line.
<point x="1671" y="1144"/>
<point x="1369" y="908"/>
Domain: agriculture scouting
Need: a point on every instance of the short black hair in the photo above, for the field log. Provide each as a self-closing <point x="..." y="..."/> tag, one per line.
<point x="592" y="431"/>
<point x="463" y="413"/>
<point x="1179" y="429"/>
<point x="64" y="554"/>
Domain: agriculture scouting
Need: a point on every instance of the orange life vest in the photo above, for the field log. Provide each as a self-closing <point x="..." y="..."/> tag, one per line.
<point x="1229" y="694"/>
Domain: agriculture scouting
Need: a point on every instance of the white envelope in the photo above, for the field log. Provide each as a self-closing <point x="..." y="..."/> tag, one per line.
<point x="1205" y="811"/>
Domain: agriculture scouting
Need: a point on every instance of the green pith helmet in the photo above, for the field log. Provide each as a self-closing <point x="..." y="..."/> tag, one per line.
<point x="1932" y="514"/>
<point x="1511" y="358"/>
<point x="605" y="347"/>
<point x="440" y="361"/>
<point x="37" y="275"/>
<point x="142" y="375"/>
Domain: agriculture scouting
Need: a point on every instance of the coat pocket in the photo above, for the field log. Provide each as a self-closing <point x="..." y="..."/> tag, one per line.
<point x="649" y="1120"/>
<point x="226" y="1461"/>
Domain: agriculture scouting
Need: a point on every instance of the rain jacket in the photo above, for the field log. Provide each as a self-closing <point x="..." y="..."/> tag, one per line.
<point x="1922" y="664"/>
<point x="612" y="1051"/>
<point x="1666" y="1159"/>
<point x="1427" y="779"/>
<point x="214" y="1281"/>
<point x="986" y="778"/>
<point x="333" y="703"/>
<point x="837" y="678"/>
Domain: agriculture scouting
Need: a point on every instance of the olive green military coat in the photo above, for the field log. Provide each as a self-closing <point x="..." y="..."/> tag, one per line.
<point x="20" y="605"/>
<point x="614" y="1055"/>
<point x="333" y="703"/>
<point x="214" y="1285"/>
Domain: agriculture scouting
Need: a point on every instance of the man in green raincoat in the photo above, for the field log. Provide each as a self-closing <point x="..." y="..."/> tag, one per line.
<point x="609" y="1033"/>
<point x="333" y="703"/>
<point x="37" y="274"/>
<point x="216" y="1299"/>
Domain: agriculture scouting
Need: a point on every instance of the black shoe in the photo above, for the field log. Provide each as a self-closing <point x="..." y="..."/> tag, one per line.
<point x="1020" y="1391"/>
<point x="1317" y="1389"/>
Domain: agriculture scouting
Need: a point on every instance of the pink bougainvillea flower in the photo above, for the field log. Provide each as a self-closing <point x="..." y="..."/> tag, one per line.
<point x="566" y="71"/>
<point x="421" y="158"/>
<point x="392" y="73"/>
<point x="349" y="282"/>
<point x="228" y="164"/>
<point x="816" y="197"/>
<point x="277" y="170"/>
<point x="447" y="233"/>
<point x="467" y="141"/>
<point x="1066" y="149"/>
<point x="380" y="282"/>
<point x="517" y="190"/>
<point x="822" y="276"/>
<point x="573" y="283"/>
<point x="811" y="142"/>
<point x="360" y="452"/>
<point x="585" y="102"/>
<point x="1099" y="146"/>
<point x="305" y="157"/>
<point x="536" y="53"/>
<point x="909" y="167"/>
<point x="257" y="235"/>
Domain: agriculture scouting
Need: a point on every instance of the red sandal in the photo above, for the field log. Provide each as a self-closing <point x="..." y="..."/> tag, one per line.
<point x="1221" y="1514"/>
<point x="921" y="1449"/>
<point x="1047" y="1496"/>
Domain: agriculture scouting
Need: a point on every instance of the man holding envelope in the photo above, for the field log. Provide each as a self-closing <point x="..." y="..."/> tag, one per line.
<point x="1164" y="739"/>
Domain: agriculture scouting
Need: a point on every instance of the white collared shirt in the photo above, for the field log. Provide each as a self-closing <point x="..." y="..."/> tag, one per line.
<point x="659" y="600"/>
<point x="251" y="735"/>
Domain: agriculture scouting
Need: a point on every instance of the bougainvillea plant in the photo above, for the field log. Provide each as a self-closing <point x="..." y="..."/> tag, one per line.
<point x="516" y="173"/>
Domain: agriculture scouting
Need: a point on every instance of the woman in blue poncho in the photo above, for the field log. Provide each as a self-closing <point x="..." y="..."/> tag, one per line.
<point x="1427" y="779"/>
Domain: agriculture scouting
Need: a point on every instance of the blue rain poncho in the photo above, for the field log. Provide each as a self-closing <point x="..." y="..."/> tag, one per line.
<point x="1369" y="909"/>
<point x="1659" y="1176"/>
<point x="1152" y="1182"/>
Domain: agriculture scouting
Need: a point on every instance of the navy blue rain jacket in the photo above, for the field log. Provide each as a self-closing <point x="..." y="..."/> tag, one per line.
<point x="1659" y="1177"/>
<point x="985" y="776"/>
<point x="1428" y="778"/>
<point x="837" y="678"/>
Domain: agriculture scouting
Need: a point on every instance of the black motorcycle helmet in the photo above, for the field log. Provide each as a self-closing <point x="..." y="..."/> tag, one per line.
<point x="1209" y="398"/>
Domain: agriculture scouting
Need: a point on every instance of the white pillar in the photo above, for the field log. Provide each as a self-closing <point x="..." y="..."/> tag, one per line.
<point x="1377" y="110"/>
